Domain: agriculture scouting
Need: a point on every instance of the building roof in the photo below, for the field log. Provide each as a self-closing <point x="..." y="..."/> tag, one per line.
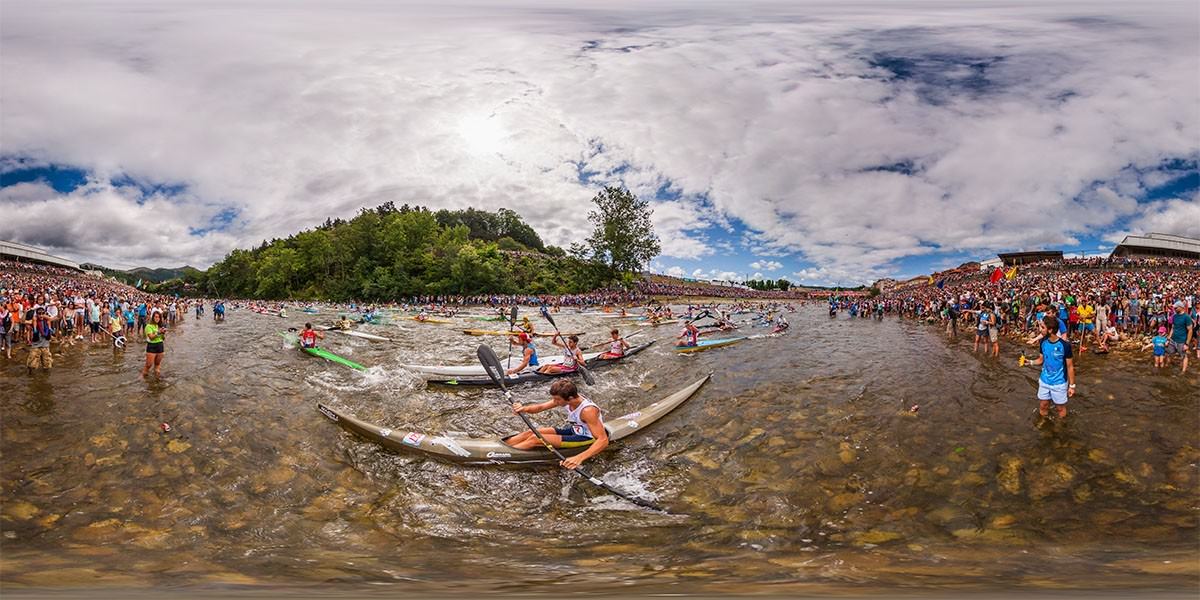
<point x="1158" y="243"/>
<point x="24" y="253"/>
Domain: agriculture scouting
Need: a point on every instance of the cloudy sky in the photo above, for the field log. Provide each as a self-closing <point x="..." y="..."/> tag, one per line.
<point x="832" y="142"/>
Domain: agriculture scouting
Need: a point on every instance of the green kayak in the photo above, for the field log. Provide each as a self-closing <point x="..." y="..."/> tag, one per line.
<point x="329" y="356"/>
<point x="323" y="353"/>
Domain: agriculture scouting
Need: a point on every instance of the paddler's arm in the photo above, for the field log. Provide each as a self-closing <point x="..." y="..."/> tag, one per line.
<point x="524" y="362"/>
<point x="530" y="409"/>
<point x="590" y="416"/>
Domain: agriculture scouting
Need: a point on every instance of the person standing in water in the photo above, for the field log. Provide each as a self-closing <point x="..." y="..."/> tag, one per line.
<point x="153" y="333"/>
<point x="1057" y="381"/>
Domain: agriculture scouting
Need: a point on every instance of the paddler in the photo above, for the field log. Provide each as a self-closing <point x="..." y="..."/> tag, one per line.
<point x="781" y="324"/>
<point x="526" y="325"/>
<point x="689" y="337"/>
<point x="529" y="357"/>
<point x="342" y="323"/>
<point x="584" y="426"/>
<point x="572" y="356"/>
<point x="309" y="337"/>
<point x="617" y="347"/>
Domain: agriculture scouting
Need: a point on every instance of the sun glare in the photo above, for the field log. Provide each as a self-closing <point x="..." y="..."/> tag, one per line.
<point x="483" y="135"/>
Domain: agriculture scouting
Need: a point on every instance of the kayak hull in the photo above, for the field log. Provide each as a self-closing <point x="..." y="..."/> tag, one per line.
<point x="534" y="376"/>
<point x="709" y="345"/>
<point x="493" y="451"/>
<point x="364" y="335"/>
<point x="477" y="370"/>
<point x="331" y="357"/>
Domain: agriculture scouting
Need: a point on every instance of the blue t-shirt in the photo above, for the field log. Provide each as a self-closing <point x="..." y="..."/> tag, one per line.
<point x="1160" y="345"/>
<point x="1063" y="317"/>
<point x="1179" y="328"/>
<point x="141" y="310"/>
<point x="1054" y="357"/>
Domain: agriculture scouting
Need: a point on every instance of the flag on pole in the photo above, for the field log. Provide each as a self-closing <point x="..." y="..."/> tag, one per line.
<point x="931" y="280"/>
<point x="138" y="284"/>
<point x="997" y="275"/>
<point x="1011" y="273"/>
<point x="941" y="283"/>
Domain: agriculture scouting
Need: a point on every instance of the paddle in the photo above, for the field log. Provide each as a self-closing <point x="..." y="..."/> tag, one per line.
<point x="605" y="343"/>
<point x="512" y="325"/>
<point x="491" y="364"/>
<point x="579" y="364"/>
<point x="118" y="340"/>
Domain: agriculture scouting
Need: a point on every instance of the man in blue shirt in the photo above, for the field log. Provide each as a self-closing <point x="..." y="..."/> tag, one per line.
<point x="1181" y="334"/>
<point x="1057" y="381"/>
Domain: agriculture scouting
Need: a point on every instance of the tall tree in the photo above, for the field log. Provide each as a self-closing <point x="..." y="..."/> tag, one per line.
<point x="623" y="237"/>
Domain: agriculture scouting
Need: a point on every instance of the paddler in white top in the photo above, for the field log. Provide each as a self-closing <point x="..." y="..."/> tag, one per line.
<point x="572" y="355"/>
<point x="617" y="347"/>
<point x="584" y="426"/>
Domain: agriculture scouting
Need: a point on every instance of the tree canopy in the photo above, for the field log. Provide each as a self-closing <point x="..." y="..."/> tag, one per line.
<point x="387" y="253"/>
<point x="623" y="237"/>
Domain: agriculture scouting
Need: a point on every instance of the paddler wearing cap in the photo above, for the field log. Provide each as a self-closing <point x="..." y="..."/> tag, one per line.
<point x="529" y="356"/>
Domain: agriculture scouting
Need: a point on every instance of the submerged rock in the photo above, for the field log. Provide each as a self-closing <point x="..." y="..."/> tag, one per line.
<point x="1009" y="475"/>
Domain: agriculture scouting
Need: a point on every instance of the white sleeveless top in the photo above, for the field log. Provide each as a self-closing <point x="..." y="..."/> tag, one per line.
<point x="576" y="421"/>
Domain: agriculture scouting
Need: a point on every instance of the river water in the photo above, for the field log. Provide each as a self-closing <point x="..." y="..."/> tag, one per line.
<point x="799" y="468"/>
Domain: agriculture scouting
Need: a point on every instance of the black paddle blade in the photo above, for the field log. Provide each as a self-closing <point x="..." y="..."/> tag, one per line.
<point x="512" y="316"/>
<point x="491" y="364"/>
<point x="546" y="313"/>
<point x="587" y="375"/>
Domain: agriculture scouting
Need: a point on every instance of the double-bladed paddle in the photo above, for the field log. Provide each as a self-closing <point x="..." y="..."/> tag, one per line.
<point x="512" y="326"/>
<point x="491" y="364"/>
<point x="638" y="332"/>
<point x="579" y="364"/>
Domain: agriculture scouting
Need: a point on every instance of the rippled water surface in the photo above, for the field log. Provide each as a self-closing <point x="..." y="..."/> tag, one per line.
<point x="799" y="468"/>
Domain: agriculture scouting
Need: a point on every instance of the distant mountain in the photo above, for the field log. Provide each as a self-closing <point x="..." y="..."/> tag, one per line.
<point x="161" y="275"/>
<point x="146" y="274"/>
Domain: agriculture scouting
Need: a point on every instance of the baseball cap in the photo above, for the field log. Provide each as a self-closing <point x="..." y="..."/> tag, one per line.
<point x="1179" y="304"/>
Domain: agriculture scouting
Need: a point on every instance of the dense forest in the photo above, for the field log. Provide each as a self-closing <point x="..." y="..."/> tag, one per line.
<point x="388" y="253"/>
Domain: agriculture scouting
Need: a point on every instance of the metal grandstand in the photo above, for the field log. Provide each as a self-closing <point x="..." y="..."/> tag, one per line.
<point x="1157" y="244"/>
<point x="30" y="254"/>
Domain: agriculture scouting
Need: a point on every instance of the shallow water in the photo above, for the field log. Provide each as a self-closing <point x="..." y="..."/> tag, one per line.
<point x="798" y="469"/>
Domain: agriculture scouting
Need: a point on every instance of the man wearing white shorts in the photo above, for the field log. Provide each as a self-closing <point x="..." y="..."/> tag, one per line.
<point x="1057" y="381"/>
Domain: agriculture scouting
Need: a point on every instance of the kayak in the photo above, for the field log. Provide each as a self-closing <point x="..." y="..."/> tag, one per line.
<point x="709" y="345"/>
<point x="329" y="356"/>
<point x="501" y="332"/>
<point x="476" y="370"/>
<point x="494" y="319"/>
<point x="534" y="376"/>
<point x="436" y="321"/>
<point x="493" y="450"/>
<point x="667" y="322"/>
<point x="364" y="335"/>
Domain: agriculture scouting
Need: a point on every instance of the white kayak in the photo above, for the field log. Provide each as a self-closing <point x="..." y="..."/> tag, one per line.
<point x="364" y="335"/>
<point x="469" y="370"/>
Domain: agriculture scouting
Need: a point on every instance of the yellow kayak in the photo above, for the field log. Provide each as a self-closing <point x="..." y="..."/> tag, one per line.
<point x="436" y="321"/>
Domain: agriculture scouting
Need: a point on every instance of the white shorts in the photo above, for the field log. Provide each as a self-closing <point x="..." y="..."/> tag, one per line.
<point x="1057" y="393"/>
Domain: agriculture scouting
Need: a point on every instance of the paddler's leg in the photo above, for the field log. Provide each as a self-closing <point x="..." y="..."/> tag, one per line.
<point x="527" y="441"/>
